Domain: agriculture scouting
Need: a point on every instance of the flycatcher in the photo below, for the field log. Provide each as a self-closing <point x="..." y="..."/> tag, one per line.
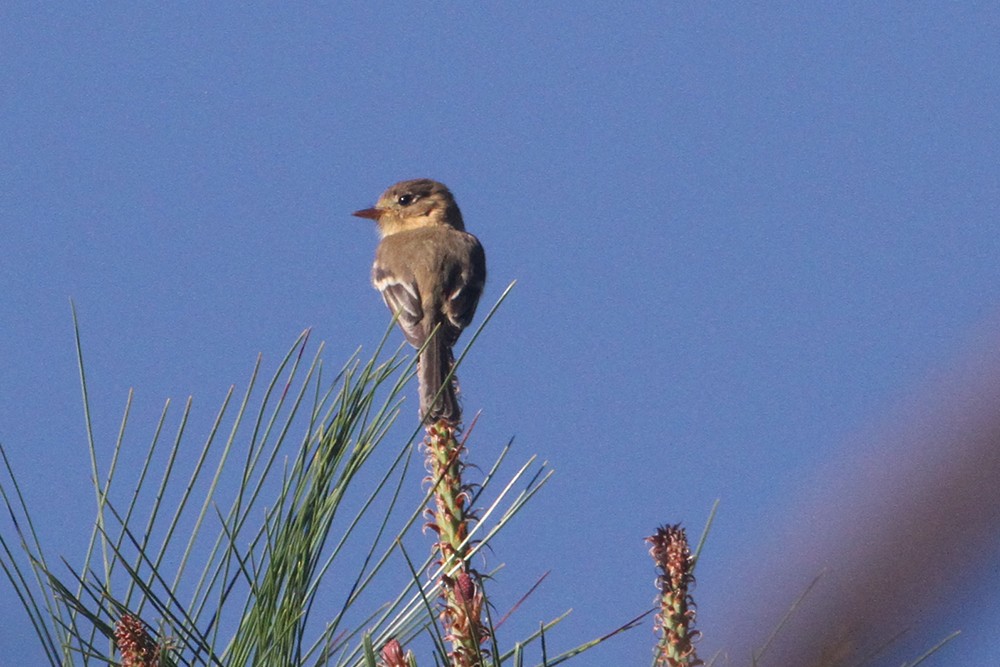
<point x="430" y="272"/>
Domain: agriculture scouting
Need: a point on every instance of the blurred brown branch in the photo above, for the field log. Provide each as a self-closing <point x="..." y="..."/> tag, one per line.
<point x="905" y="529"/>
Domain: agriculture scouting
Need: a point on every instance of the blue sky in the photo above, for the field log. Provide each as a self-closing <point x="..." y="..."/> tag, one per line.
<point x="744" y="239"/>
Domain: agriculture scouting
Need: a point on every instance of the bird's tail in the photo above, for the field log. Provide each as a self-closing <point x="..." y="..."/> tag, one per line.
<point x="435" y="363"/>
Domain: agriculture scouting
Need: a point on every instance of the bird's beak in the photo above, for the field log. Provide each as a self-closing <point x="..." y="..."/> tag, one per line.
<point x="370" y="213"/>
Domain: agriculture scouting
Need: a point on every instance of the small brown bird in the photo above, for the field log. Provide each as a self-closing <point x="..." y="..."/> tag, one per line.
<point x="431" y="272"/>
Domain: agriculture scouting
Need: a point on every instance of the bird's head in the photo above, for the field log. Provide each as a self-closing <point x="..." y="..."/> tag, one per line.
<point x="413" y="204"/>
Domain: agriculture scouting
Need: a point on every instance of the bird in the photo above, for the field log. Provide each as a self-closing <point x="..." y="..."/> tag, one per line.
<point x="430" y="273"/>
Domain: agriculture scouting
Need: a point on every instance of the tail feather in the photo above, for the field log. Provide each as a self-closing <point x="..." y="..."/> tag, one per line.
<point x="433" y="366"/>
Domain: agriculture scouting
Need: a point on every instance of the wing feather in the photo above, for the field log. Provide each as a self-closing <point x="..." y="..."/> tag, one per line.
<point x="403" y="298"/>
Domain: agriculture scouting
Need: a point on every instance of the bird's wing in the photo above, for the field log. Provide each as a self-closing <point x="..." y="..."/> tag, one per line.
<point x="402" y="296"/>
<point x="465" y="285"/>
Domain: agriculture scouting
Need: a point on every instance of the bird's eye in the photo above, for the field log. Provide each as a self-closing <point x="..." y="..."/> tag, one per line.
<point x="405" y="200"/>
